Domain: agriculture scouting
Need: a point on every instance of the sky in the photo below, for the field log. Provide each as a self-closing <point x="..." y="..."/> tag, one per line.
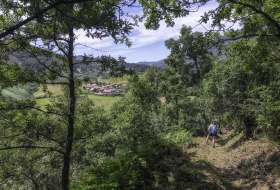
<point x="147" y="45"/>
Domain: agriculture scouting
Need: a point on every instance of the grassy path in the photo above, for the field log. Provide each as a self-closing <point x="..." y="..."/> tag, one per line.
<point x="236" y="164"/>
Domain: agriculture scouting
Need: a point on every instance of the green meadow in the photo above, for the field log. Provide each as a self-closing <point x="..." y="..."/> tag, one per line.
<point x="103" y="101"/>
<point x="56" y="90"/>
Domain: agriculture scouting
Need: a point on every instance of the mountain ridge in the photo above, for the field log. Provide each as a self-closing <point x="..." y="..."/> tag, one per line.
<point x="26" y="61"/>
<point x="160" y="63"/>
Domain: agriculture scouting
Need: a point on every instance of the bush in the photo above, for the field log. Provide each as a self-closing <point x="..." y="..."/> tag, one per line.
<point x="180" y="137"/>
<point x="120" y="172"/>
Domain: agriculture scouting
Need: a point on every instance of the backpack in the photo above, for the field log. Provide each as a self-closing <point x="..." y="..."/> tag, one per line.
<point x="213" y="129"/>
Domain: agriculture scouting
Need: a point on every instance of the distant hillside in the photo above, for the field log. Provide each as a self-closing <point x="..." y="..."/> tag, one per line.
<point x="29" y="62"/>
<point x="160" y="64"/>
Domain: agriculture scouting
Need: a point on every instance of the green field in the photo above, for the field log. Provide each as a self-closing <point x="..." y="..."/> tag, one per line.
<point x="54" y="89"/>
<point x="42" y="102"/>
<point x="104" y="101"/>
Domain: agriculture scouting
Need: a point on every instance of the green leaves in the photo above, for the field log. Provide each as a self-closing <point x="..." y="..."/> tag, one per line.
<point x="167" y="10"/>
<point x="190" y="54"/>
<point x="256" y="18"/>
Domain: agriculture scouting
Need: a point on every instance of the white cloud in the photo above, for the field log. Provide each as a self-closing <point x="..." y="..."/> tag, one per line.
<point x="142" y="39"/>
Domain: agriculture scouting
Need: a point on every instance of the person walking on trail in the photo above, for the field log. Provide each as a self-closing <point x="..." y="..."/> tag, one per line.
<point x="212" y="132"/>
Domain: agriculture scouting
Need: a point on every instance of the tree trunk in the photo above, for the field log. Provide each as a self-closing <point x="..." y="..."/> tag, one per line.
<point x="177" y="109"/>
<point x="197" y="69"/>
<point x="249" y="122"/>
<point x="71" y="114"/>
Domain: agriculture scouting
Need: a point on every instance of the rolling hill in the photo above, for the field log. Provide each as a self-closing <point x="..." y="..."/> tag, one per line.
<point x="29" y="62"/>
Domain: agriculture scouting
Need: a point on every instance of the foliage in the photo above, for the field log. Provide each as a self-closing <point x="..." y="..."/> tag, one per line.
<point x="53" y="25"/>
<point x="180" y="137"/>
<point x="19" y="93"/>
<point x="257" y="18"/>
<point x="268" y="113"/>
<point x="144" y="146"/>
<point x="116" y="173"/>
<point x="190" y="59"/>
<point x="234" y="86"/>
<point x="190" y="55"/>
<point x="138" y="144"/>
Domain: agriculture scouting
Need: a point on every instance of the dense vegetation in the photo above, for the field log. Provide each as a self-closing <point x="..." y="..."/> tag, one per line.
<point x="229" y="74"/>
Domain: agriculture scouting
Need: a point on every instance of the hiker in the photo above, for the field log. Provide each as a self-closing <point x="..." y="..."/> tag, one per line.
<point x="212" y="132"/>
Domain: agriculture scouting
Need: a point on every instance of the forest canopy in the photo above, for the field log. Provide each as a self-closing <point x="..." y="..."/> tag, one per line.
<point x="230" y="74"/>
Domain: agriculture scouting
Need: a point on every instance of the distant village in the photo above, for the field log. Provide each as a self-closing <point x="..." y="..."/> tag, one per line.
<point x="105" y="89"/>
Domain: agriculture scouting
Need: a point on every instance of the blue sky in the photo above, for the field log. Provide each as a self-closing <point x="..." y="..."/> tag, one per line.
<point x="147" y="45"/>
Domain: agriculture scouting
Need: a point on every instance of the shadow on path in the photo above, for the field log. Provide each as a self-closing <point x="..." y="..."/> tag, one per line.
<point x="181" y="173"/>
<point x="259" y="172"/>
<point x="235" y="164"/>
<point x="213" y="175"/>
<point x="232" y="165"/>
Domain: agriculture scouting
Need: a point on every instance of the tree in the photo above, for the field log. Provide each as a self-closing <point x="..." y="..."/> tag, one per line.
<point x="190" y="59"/>
<point x="190" y="54"/>
<point x="256" y="18"/>
<point x="145" y="149"/>
<point x="59" y="32"/>
<point x="55" y="26"/>
<point x="258" y="21"/>
<point x="29" y="11"/>
<point x="234" y="85"/>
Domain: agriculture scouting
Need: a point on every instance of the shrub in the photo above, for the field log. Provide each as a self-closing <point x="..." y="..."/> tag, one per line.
<point x="180" y="137"/>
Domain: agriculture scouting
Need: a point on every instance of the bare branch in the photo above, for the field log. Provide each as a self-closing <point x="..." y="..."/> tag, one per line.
<point x="51" y="139"/>
<point x="9" y="137"/>
<point x="49" y="112"/>
<point x="77" y="44"/>
<point x="14" y="108"/>
<point x="55" y="83"/>
<point x="55" y="38"/>
<point x="221" y="41"/>
<point x="43" y="64"/>
<point x="30" y="147"/>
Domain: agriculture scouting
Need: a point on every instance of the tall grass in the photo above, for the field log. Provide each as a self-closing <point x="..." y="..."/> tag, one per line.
<point x="104" y="101"/>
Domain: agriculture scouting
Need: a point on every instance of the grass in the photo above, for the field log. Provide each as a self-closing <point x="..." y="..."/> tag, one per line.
<point x="54" y="89"/>
<point x="42" y="102"/>
<point x="237" y="164"/>
<point x="104" y="101"/>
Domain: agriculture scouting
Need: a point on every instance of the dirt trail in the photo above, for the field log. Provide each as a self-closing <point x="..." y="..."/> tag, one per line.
<point x="237" y="164"/>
